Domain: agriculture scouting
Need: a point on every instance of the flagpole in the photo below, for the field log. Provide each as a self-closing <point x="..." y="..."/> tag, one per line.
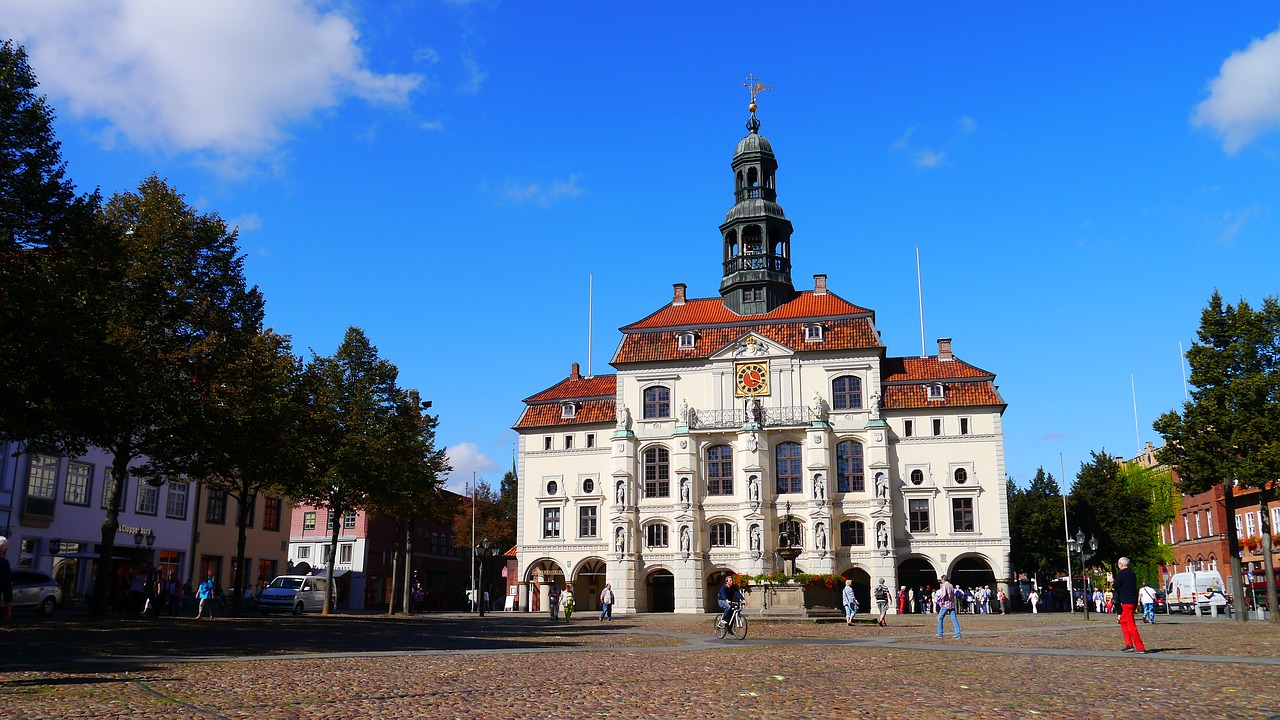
<point x="1066" y="528"/>
<point x="475" y="597"/>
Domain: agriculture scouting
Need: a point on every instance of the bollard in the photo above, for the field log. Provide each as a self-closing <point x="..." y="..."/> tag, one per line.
<point x="1213" y="609"/>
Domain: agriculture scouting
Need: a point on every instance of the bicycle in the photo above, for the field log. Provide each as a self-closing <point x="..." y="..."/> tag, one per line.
<point x="737" y="625"/>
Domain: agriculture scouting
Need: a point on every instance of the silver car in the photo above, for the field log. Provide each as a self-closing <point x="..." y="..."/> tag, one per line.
<point x="35" y="589"/>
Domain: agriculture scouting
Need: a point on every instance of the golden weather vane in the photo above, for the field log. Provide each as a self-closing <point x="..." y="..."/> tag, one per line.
<point x="755" y="87"/>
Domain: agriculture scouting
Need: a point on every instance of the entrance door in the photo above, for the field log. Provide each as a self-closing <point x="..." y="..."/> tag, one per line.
<point x="662" y="592"/>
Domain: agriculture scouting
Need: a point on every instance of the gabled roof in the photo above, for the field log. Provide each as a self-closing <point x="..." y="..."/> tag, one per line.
<point x="909" y="369"/>
<point x="843" y="334"/>
<point x="593" y="396"/>
<point x="966" y="393"/>
<point x="704" y="312"/>
<point x="596" y="386"/>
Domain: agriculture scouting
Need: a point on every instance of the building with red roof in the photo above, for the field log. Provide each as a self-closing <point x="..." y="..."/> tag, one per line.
<point x="765" y="419"/>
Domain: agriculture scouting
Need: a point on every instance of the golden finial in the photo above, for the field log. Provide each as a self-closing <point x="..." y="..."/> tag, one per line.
<point x="755" y="87"/>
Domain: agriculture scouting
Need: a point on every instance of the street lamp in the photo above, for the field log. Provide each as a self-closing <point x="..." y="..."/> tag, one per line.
<point x="137" y="538"/>
<point x="1079" y="544"/>
<point x="483" y="550"/>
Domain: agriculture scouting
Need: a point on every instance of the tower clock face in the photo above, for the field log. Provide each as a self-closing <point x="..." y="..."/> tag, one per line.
<point x="752" y="379"/>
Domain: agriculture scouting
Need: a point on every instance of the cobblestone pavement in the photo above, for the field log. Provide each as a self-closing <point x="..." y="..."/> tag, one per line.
<point x="516" y="666"/>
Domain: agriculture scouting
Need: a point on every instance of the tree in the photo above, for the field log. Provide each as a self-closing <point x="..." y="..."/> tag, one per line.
<point x="355" y="440"/>
<point x="1157" y="486"/>
<point x="1037" y="542"/>
<point x="1228" y="433"/>
<point x="1103" y="506"/>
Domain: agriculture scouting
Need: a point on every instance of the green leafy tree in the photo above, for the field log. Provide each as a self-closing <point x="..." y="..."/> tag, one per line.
<point x="1156" y="485"/>
<point x="1102" y="505"/>
<point x="1228" y="433"/>
<point x="1037" y="542"/>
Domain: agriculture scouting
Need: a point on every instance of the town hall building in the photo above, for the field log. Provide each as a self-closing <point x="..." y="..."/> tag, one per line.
<point x="766" y="418"/>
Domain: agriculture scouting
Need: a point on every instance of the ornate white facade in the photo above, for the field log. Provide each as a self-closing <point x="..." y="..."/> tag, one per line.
<point x="728" y="414"/>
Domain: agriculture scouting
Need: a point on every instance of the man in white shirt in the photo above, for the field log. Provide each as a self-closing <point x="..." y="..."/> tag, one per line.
<point x="1147" y="596"/>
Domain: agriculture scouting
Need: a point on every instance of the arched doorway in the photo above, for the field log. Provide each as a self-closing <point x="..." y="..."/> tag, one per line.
<point x="711" y="593"/>
<point x="540" y="576"/>
<point x="661" y="587"/>
<point x="972" y="571"/>
<point x="588" y="583"/>
<point x="920" y="578"/>
<point x="861" y="588"/>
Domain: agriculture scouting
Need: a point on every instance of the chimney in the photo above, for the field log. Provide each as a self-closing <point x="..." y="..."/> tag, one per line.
<point x="678" y="297"/>
<point x="575" y="374"/>
<point x="820" y="284"/>
<point x="944" y="350"/>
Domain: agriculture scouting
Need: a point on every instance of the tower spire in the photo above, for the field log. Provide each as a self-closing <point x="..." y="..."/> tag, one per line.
<point x="755" y="87"/>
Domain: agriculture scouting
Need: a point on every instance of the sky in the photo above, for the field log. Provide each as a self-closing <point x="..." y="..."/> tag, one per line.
<point x="459" y="178"/>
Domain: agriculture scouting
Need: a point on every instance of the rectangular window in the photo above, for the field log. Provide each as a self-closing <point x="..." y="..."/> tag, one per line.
<point x="1249" y="527"/>
<point x="962" y="514"/>
<point x="722" y="535"/>
<point x="551" y="522"/>
<point x="148" y="498"/>
<point x="937" y="426"/>
<point x="309" y="520"/>
<point x="591" y="440"/>
<point x="964" y="426"/>
<point x="1239" y="524"/>
<point x="546" y="443"/>
<point x="345" y="551"/>
<point x="908" y="428"/>
<point x="108" y="494"/>
<point x="852" y="533"/>
<point x="304" y="552"/>
<point x="42" y="482"/>
<point x="1197" y="526"/>
<point x="175" y="502"/>
<point x="587" y="521"/>
<point x="1275" y="520"/>
<point x="271" y="514"/>
<point x="349" y="520"/>
<point x="266" y="571"/>
<point x="170" y="564"/>
<point x="656" y="535"/>
<point x="918" y="516"/>
<point x="249" y="509"/>
<point x="216" y="513"/>
<point x="568" y="442"/>
<point x="1186" y="525"/>
<point x="79" y="483"/>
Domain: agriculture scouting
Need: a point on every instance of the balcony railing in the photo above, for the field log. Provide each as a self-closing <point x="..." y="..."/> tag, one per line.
<point x="789" y="416"/>
<point x="755" y="193"/>
<point x="757" y="262"/>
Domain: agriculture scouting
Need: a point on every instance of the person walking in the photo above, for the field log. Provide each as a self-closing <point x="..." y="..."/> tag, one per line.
<point x="553" y="601"/>
<point x="606" y="603"/>
<point x="1147" y="596"/>
<point x="946" y="601"/>
<point x="1125" y="592"/>
<point x="850" y="602"/>
<point x="1001" y="598"/>
<point x="1034" y="601"/>
<point x="881" y="595"/>
<point x="567" y="603"/>
<point x="205" y="596"/>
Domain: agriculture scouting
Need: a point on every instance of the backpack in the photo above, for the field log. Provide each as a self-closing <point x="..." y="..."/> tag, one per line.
<point x="882" y="592"/>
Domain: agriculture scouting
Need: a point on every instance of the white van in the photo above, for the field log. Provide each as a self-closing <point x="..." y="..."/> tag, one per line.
<point x="1204" y="587"/>
<point x="294" y="593"/>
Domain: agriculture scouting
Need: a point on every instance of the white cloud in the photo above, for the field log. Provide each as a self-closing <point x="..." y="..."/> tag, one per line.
<point x="466" y="458"/>
<point x="1244" y="99"/>
<point x="539" y="193"/>
<point x="245" y="223"/>
<point x="968" y="125"/>
<point x="470" y="85"/>
<point x="926" y="158"/>
<point x="224" y="79"/>
<point x="432" y="125"/>
<point x="904" y="142"/>
<point x="1233" y="221"/>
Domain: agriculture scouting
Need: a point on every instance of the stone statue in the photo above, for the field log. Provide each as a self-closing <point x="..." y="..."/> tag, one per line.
<point x="755" y="538"/>
<point x="882" y="486"/>
<point x="624" y="417"/>
<point x="820" y="537"/>
<point x="882" y="536"/>
<point x="753" y="444"/>
<point x="819" y="488"/>
<point x="684" y="412"/>
<point x="621" y="496"/>
<point x="753" y="489"/>
<point x="620" y="540"/>
<point x="820" y="411"/>
<point x="757" y="412"/>
<point x="684" y="538"/>
<point x="684" y="490"/>
<point x="875" y="406"/>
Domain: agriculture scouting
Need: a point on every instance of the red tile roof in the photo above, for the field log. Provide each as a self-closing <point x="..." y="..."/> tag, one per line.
<point x="702" y="312"/>
<point x="955" y="394"/>
<point x="843" y="334"/>
<point x="596" y="386"/>
<point x="906" y="369"/>
<point x="549" y="414"/>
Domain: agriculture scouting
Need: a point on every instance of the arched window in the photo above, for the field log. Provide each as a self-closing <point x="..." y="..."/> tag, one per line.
<point x="787" y="468"/>
<point x="719" y="470"/>
<point x="739" y="179"/>
<point x="849" y="477"/>
<point x="846" y="393"/>
<point x="752" y="178"/>
<point x="657" y="472"/>
<point x="656" y="535"/>
<point x="722" y="534"/>
<point x="657" y="402"/>
<point x="853" y="533"/>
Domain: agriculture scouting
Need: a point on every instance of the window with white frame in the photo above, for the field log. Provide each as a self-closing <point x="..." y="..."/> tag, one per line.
<point x="937" y="426"/>
<point x="79" y="484"/>
<point x="546" y="442"/>
<point x="962" y="514"/>
<point x="1186" y="525"/>
<point x="687" y="341"/>
<point x="964" y="426"/>
<point x="813" y="332"/>
<point x="148" y="498"/>
<point x="936" y="391"/>
<point x="657" y="402"/>
<point x="656" y="535"/>
<point x="846" y="393"/>
<point x="109" y="495"/>
<point x="304" y="552"/>
<point x="1249" y="527"/>
<point x="587" y="521"/>
<point x="175" y="504"/>
<point x="551" y="522"/>
<point x="1197" y="526"/>
<point x="568" y="442"/>
<point x="568" y="410"/>
<point x="42" y="482"/>
<point x="349" y="520"/>
<point x="591" y="440"/>
<point x="908" y="428"/>
<point x="719" y="470"/>
<point x="722" y="535"/>
<point x="657" y="472"/>
<point x="309" y="520"/>
<point x="918" y="515"/>
<point x="345" y="551"/>
<point x="1275" y="520"/>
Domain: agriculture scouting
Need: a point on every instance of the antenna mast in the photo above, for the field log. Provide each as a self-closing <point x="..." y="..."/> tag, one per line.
<point x="920" y="297"/>
<point x="590" y="298"/>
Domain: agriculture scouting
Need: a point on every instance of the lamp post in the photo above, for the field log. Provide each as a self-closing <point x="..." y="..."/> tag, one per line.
<point x="1079" y="544"/>
<point x="483" y="550"/>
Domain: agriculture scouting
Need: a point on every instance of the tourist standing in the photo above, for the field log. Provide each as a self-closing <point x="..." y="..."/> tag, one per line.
<point x="1125" y="592"/>
<point x="946" y="601"/>
<point x="606" y="602"/>
<point x="882" y="602"/>
<point x="553" y="601"/>
<point x="567" y="602"/>
<point x="205" y="596"/>
<point x="850" y="602"/>
<point x="1034" y="600"/>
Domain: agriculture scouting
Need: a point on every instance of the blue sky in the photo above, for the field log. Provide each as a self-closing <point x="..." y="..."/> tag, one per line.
<point x="447" y="175"/>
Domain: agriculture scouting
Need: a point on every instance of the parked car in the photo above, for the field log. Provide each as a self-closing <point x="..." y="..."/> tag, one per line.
<point x="35" y="589"/>
<point x="294" y="593"/>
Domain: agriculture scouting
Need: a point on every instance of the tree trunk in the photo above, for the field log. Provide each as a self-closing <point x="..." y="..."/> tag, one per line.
<point x="1265" y="494"/>
<point x="102" y="589"/>
<point x="333" y="555"/>
<point x="408" y="566"/>
<point x="1233" y="549"/>
<point x="396" y="560"/>
<point x="242" y="572"/>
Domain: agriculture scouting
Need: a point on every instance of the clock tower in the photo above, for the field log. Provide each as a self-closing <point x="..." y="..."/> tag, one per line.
<point x="756" y="233"/>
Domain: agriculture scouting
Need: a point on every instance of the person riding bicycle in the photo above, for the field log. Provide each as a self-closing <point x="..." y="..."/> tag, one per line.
<point x="729" y="594"/>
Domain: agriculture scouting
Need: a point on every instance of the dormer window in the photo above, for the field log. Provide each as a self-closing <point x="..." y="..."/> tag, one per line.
<point x="813" y="332"/>
<point x="687" y="340"/>
<point x="936" y="391"/>
<point x="568" y="410"/>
